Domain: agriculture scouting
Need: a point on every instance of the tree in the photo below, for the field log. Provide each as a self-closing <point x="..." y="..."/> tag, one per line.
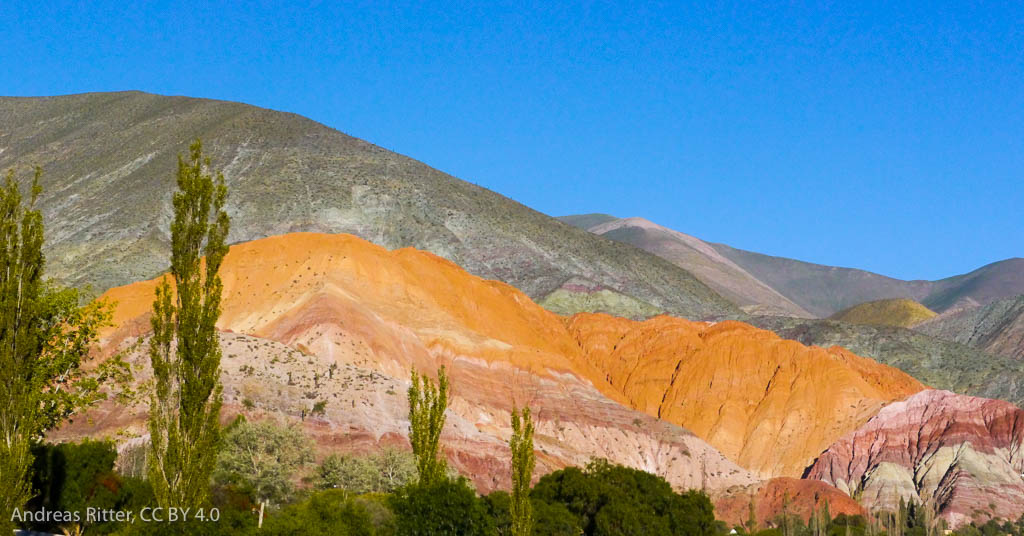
<point x="184" y="349"/>
<point x="427" y="404"/>
<point x="381" y="472"/>
<point x="612" y="500"/>
<point x="263" y="458"/>
<point x="523" y="461"/>
<point x="443" y="506"/>
<point x="45" y="335"/>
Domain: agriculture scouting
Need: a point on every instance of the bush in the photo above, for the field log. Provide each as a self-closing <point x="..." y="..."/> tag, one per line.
<point x="446" y="507"/>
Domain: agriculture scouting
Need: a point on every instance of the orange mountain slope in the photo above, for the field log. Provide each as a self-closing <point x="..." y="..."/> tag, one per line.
<point x="770" y="404"/>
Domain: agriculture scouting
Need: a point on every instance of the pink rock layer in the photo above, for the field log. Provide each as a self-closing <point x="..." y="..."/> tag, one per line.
<point x="962" y="455"/>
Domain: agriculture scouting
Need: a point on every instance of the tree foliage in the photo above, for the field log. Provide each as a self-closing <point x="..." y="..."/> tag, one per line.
<point x="325" y="513"/>
<point x="45" y="336"/>
<point x="523" y="461"/>
<point x="380" y="472"/>
<point x="444" y="506"/>
<point x="263" y="458"/>
<point x="427" y="404"/>
<point x="184" y="349"/>
<point x="609" y="500"/>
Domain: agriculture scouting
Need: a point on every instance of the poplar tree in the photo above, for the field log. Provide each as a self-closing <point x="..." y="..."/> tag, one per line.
<point x="45" y="335"/>
<point x="427" y="404"/>
<point x="523" y="461"/>
<point x="184" y="351"/>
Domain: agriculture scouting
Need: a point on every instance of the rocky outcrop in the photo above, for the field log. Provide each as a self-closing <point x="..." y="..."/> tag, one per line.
<point x="959" y="453"/>
<point x="782" y="496"/>
<point x="768" y="403"/>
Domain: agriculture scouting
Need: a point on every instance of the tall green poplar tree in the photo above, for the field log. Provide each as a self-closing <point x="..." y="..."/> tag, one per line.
<point x="523" y="461"/>
<point x="45" y="335"/>
<point x="184" y="351"/>
<point x="427" y="404"/>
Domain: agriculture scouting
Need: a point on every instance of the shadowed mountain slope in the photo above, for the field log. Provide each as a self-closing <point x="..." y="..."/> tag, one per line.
<point x="696" y="257"/>
<point x="997" y="327"/>
<point x="896" y="312"/>
<point x="109" y="161"/>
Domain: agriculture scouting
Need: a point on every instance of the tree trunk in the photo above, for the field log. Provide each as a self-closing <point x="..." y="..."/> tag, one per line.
<point x="259" y="525"/>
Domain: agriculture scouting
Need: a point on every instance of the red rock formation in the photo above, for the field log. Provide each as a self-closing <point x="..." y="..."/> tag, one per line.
<point x="771" y="498"/>
<point x="960" y="453"/>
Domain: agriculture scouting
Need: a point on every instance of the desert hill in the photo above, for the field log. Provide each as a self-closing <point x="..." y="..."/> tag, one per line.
<point x="962" y="454"/>
<point x="109" y="160"/>
<point x="997" y="327"/>
<point x="896" y="312"/>
<point x="347" y="301"/>
<point x="694" y="256"/>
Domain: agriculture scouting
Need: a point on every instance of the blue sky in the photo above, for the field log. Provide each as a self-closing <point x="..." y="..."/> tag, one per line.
<point x="886" y="136"/>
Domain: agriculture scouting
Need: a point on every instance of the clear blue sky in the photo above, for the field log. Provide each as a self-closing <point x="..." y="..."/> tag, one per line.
<point x="884" y="136"/>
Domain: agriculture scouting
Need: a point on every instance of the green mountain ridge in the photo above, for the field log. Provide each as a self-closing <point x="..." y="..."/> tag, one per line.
<point x="109" y="161"/>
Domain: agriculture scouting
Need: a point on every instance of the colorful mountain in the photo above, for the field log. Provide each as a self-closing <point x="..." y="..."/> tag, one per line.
<point x="767" y="403"/>
<point x="962" y="456"/>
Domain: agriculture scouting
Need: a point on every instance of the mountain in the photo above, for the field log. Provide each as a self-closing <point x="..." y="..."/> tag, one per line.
<point x="772" y="405"/>
<point x="763" y="284"/>
<point x="313" y="317"/>
<point x="694" y="256"/>
<point x="997" y="327"/>
<point x="939" y="363"/>
<point x="896" y="312"/>
<point x="110" y="158"/>
<point x="964" y="455"/>
<point x="769" y="404"/>
<point x="1001" y="279"/>
<point x="824" y="290"/>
